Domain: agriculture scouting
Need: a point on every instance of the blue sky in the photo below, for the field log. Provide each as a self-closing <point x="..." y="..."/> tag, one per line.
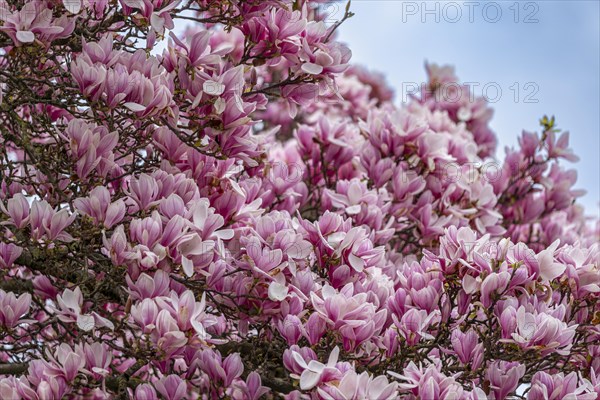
<point x="549" y="49"/>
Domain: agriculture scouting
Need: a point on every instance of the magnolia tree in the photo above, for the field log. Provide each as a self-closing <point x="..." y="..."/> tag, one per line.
<point x="232" y="211"/>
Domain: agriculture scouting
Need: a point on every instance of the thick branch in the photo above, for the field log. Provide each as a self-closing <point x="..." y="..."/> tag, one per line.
<point x="13" y="369"/>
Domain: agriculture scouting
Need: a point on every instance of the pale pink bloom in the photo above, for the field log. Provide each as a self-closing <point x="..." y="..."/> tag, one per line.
<point x="504" y="377"/>
<point x="559" y="148"/>
<point x="493" y="286"/>
<point x="290" y="328"/>
<point x="8" y="388"/>
<point x="188" y="313"/>
<point x="9" y="254"/>
<point x="17" y="208"/>
<point x="45" y="221"/>
<point x="144" y="191"/>
<point x="12" y="308"/>
<point x="98" y="206"/>
<point x="314" y="371"/>
<point x="166" y="334"/>
<point x="144" y="314"/>
<point x="428" y="383"/>
<point x="116" y="246"/>
<point x="98" y="358"/>
<point x="66" y="362"/>
<point x="254" y="389"/>
<point x="70" y="305"/>
<point x="356" y="319"/>
<point x="549" y="269"/>
<point x="221" y="370"/>
<point x="559" y="386"/>
<point x="414" y="325"/>
<point x="172" y="387"/>
<point x="364" y="386"/>
<point x="91" y="147"/>
<point x="35" y="22"/>
<point x="538" y="330"/>
<point x="39" y="385"/>
<point x="467" y="347"/>
<point x="148" y="287"/>
<point x="315" y="328"/>
<point x="145" y="391"/>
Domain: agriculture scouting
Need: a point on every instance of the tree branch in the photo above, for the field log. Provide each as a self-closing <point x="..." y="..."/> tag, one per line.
<point x="13" y="369"/>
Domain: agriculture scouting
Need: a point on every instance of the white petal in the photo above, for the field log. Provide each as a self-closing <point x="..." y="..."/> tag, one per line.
<point x="134" y="106"/>
<point x="236" y="187"/>
<point x="354" y="192"/>
<point x="224" y="234"/>
<point x="102" y="322"/>
<point x="309" y="379"/>
<point x="220" y="105"/>
<point x="25" y="36"/>
<point x="213" y="88"/>
<point x="353" y="210"/>
<point x="333" y="357"/>
<point x="299" y="359"/>
<point x="356" y="262"/>
<point x="85" y="322"/>
<point x="316" y="366"/>
<point x="548" y="268"/>
<point x="73" y="6"/>
<point x="470" y="285"/>
<point x="188" y="266"/>
<point x="552" y="271"/>
<point x="277" y="291"/>
<point x="335" y="238"/>
<point x="299" y="250"/>
<point x="157" y="22"/>
<point x="134" y="3"/>
<point x="311" y="68"/>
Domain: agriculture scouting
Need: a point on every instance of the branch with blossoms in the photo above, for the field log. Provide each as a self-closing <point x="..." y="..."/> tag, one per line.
<point x="244" y="215"/>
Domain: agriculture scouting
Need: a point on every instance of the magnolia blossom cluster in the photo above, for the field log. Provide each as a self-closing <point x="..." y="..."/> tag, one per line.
<point x="233" y="211"/>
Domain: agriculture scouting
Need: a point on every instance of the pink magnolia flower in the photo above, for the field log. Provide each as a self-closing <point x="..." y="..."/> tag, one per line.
<point x="66" y="362"/>
<point x="9" y="254"/>
<point x="290" y="328"/>
<point x="45" y="221"/>
<point x="467" y="347"/>
<point x="549" y="269"/>
<point x="427" y="383"/>
<point x="99" y="207"/>
<point x="559" y="148"/>
<point x="492" y="286"/>
<point x="69" y="309"/>
<point x="12" y="308"/>
<point x="504" y="377"/>
<point x="149" y="287"/>
<point x="17" y="209"/>
<point x="358" y="386"/>
<point x="315" y="328"/>
<point x="188" y="222"/>
<point x="91" y="146"/>
<point x="356" y="319"/>
<point x="172" y="387"/>
<point x="219" y="369"/>
<point x="559" y="386"/>
<point x="98" y="359"/>
<point x="539" y="330"/>
<point x="35" y="22"/>
<point x="145" y="315"/>
<point x="145" y="391"/>
<point x="315" y="372"/>
<point x="414" y="325"/>
<point x="254" y="388"/>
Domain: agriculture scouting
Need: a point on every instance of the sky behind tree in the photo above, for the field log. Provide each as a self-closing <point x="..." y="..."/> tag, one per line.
<point x="528" y="58"/>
